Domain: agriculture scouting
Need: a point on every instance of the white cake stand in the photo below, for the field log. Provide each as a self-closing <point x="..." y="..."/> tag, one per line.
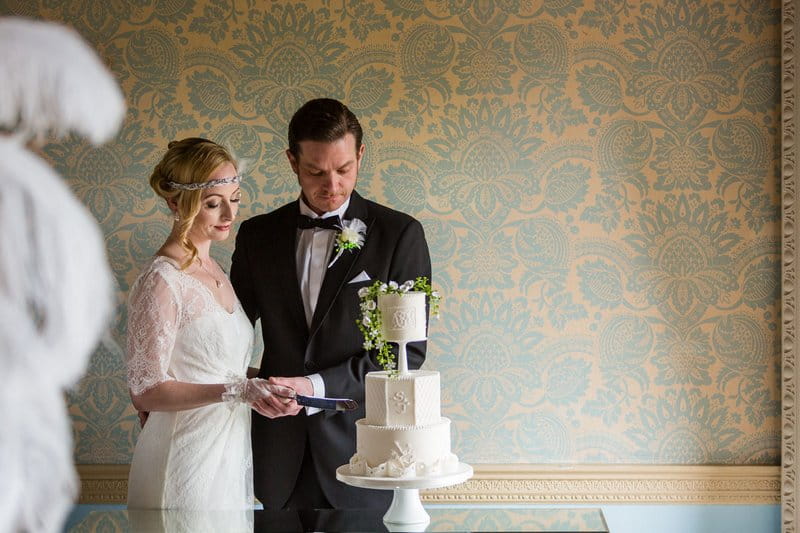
<point x="406" y="511"/>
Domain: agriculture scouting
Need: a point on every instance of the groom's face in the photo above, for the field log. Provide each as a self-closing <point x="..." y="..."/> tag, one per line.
<point x="327" y="171"/>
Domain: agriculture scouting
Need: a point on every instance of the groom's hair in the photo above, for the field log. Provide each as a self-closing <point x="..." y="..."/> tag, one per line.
<point x="322" y="120"/>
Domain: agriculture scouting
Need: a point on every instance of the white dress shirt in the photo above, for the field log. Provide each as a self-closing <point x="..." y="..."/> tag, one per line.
<point x="313" y="253"/>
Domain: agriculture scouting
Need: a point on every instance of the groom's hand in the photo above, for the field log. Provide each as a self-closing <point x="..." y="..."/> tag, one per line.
<point x="301" y="385"/>
<point x="275" y="405"/>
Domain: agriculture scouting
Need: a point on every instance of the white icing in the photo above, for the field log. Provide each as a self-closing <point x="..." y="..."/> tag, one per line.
<point x="410" y="399"/>
<point x="403" y="316"/>
<point x="393" y="468"/>
<point x="403" y="434"/>
<point x="402" y="452"/>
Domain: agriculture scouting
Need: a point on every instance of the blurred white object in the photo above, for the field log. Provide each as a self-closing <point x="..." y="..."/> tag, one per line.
<point x="56" y="288"/>
<point x="54" y="82"/>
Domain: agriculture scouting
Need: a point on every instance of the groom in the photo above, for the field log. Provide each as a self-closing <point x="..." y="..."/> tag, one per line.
<point x="286" y="272"/>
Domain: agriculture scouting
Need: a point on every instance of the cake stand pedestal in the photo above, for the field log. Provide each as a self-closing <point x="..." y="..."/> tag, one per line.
<point x="406" y="512"/>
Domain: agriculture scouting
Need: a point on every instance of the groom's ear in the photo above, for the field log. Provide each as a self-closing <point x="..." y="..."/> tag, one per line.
<point x="360" y="154"/>
<point x="293" y="162"/>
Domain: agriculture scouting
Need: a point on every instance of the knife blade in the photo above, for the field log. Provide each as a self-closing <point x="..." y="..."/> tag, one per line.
<point x="334" y="404"/>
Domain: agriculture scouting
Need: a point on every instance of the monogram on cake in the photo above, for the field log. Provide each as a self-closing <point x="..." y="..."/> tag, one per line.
<point x="403" y="434"/>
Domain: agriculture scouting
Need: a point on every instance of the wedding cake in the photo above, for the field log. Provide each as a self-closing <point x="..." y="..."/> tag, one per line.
<point x="403" y="434"/>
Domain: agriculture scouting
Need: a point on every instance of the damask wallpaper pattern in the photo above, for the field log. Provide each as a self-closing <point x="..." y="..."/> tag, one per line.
<point x="598" y="181"/>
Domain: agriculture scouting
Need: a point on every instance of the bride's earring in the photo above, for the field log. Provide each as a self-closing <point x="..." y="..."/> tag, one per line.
<point x="176" y="217"/>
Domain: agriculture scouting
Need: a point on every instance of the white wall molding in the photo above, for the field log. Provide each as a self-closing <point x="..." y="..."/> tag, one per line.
<point x="551" y="484"/>
<point x="790" y="257"/>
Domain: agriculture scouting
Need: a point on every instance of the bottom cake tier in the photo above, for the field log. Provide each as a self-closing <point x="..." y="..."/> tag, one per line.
<point x="383" y="451"/>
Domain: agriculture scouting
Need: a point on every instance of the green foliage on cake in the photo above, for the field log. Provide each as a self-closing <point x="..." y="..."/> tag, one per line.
<point x="371" y="321"/>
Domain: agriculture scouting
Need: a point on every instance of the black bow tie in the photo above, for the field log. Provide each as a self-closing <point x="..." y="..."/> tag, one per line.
<point x="304" y="222"/>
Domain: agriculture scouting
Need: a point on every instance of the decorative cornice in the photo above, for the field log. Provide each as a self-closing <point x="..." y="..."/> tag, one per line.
<point x="615" y="484"/>
<point x="520" y="483"/>
<point x="788" y="273"/>
<point x="103" y="483"/>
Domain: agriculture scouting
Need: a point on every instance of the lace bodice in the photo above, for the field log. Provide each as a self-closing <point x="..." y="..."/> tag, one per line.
<point x="178" y="330"/>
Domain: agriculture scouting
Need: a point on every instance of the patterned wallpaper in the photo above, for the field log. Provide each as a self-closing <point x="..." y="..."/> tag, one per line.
<point x="598" y="181"/>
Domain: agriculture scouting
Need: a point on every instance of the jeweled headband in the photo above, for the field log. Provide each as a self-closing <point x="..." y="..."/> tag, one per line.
<point x="204" y="184"/>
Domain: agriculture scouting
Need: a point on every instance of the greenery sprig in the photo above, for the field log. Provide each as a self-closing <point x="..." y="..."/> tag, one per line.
<point x="371" y="321"/>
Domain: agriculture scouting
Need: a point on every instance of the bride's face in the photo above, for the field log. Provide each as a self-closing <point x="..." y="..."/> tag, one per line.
<point x="218" y="208"/>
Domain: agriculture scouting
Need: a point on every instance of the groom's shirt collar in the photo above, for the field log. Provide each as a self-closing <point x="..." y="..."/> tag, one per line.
<point x="305" y="210"/>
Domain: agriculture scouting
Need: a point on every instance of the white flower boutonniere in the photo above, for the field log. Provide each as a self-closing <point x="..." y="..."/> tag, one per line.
<point x="350" y="237"/>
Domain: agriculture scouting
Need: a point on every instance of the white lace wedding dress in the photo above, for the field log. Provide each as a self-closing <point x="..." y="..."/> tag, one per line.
<point x="199" y="458"/>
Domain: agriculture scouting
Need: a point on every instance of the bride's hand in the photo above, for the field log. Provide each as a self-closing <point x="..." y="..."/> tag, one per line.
<point x="251" y="391"/>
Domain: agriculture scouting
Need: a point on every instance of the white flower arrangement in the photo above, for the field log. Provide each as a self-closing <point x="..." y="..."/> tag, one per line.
<point x="350" y="237"/>
<point x="371" y="320"/>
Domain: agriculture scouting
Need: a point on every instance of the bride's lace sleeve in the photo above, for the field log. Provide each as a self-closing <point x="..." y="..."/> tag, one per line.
<point x="153" y="313"/>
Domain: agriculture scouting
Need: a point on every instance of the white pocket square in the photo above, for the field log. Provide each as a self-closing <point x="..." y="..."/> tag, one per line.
<point x="361" y="277"/>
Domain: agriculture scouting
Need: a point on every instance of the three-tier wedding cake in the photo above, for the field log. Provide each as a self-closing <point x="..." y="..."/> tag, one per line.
<point x="403" y="434"/>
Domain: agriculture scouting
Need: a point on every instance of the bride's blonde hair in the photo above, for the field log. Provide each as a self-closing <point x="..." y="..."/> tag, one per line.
<point x="187" y="161"/>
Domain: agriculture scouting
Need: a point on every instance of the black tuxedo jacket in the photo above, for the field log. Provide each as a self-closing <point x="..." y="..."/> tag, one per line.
<point x="264" y="276"/>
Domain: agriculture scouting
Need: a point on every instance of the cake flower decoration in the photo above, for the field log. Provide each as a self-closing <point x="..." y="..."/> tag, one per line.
<point x="371" y="321"/>
<point x="350" y="237"/>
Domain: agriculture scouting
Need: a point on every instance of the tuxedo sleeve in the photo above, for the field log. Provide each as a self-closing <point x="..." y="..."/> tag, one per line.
<point x="409" y="259"/>
<point x="242" y="273"/>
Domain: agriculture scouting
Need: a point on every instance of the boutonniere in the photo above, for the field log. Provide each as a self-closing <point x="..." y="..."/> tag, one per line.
<point x="350" y="237"/>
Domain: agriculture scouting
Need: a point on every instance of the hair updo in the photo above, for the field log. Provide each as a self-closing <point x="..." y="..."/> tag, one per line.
<point x="187" y="161"/>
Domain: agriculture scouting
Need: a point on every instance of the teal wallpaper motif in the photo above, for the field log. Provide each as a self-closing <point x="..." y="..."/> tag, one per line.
<point x="598" y="181"/>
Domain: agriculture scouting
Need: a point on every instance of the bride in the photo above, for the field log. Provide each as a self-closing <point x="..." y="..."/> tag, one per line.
<point x="189" y="346"/>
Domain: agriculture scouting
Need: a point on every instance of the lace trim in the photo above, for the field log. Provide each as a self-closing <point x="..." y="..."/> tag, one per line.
<point x="402" y="465"/>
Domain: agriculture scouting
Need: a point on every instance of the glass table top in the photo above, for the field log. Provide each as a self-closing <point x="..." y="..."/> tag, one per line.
<point x="443" y="518"/>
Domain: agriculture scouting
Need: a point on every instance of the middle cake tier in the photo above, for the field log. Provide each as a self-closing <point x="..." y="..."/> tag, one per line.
<point x="411" y="399"/>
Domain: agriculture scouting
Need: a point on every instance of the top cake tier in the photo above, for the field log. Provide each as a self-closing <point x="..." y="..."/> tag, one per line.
<point x="403" y="316"/>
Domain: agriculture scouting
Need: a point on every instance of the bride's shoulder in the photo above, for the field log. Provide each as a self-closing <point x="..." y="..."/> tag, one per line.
<point x="157" y="289"/>
<point x="160" y="265"/>
<point x="166" y="263"/>
<point x="158" y="271"/>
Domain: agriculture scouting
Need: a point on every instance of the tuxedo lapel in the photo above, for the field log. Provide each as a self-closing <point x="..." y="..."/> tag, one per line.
<point x="286" y="266"/>
<point x="336" y="274"/>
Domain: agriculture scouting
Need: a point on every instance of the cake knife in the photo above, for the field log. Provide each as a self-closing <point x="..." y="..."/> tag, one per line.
<point x="335" y="404"/>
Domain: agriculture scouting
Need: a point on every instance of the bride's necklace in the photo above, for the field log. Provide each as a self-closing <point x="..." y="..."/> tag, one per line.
<point x="216" y="280"/>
